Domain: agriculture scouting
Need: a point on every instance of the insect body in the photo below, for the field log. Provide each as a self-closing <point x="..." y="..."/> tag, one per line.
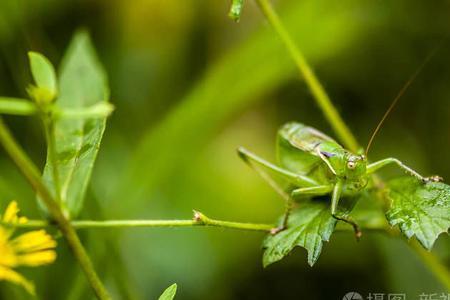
<point x="314" y="164"/>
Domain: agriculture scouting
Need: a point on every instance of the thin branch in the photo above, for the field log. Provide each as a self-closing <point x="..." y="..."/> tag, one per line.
<point x="31" y="173"/>
<point x="17" y="106"/>
<point x="198" y="220"/>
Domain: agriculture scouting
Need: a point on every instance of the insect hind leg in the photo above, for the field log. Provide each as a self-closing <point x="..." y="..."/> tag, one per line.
<point x="284" y="223"/>
<point x="262" y="167"/>
<point x="319" y="190"/>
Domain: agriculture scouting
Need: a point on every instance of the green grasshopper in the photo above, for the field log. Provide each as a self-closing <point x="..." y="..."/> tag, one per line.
<point x="316" y="165"/>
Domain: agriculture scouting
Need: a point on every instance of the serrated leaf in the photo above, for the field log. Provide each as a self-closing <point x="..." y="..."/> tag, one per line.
<point x="309" y="225"/>
<point x="169" y="293"/>
<point x="420" y="210"/>
<point x="82" y="84"/>
<point x="43" y="75"/>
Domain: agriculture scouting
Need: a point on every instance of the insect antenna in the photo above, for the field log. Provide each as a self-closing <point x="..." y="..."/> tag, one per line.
<point x="402" y="92"/>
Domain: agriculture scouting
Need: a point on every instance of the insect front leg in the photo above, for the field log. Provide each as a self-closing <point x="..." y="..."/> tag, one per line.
<point x="373" y="167"/>
<point x="337" y="191"/>
<point x="262" y="167"/>
<point x="259" y="164"/>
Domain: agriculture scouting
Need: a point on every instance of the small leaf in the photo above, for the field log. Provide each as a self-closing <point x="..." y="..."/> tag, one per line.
<point x="236" y="10"/>
<point x="169" y="293"/>
<point x="309" y="225"/>
<point x="44" y="77"/>
<point x="83" y="85"/>
<point x="17" y="106"/>
<point x="420" y="210"/>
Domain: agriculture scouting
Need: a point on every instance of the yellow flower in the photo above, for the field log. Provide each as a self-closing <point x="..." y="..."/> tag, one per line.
<point x="32" y="249"/>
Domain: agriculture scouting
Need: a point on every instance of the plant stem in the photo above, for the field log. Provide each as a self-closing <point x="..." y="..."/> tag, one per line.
<point x="335" y="120"/>
<point x="17" y="106"/>
<point x="319" y="93"/>
<point x="199" y="220"/>
<point x="30" y="171"/>
<point x="433" y="263"/>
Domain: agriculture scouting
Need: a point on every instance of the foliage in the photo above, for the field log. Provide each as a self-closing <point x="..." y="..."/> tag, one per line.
<point x="309" y="226"/>
<point x="420" y="210"/>
<point x="82" y="84"/>
<point x="189" y="89"/>
<point x="44" y="76"/>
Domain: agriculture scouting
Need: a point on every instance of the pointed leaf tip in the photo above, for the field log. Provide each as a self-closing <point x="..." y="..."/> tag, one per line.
<point x="169" y="293"/>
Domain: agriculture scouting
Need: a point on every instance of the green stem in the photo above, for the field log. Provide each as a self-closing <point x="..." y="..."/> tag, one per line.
<point x="199" y="220"/>
<point x="30" y="171"/>
<point x="335" y="120"/>
<point x="319" y="93"/>
<point x="17" y="106"/>
<point x="433" y="263"/>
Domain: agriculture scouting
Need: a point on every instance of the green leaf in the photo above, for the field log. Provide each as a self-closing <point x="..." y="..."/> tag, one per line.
<point x="309" y="225"/>
<point x="83" y="84"/>
<point x="17" y="106"/>
<point x="236" y="10"/>
<point x="420" y="210"/>
<point x="169" y="293"/>
<point x="44" y="77"/>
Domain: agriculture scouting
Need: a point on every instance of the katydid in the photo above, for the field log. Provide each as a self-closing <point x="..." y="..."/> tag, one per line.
<point x="313" y="164"/>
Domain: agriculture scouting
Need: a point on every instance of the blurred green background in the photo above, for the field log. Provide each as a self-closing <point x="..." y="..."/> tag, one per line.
<point x="189" y="86"/>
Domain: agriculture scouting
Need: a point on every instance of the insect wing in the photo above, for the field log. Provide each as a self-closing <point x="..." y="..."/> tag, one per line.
<point x="296" y="147"/>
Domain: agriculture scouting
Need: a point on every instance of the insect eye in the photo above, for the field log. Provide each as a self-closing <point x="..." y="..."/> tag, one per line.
<point x="351" y="165"/>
